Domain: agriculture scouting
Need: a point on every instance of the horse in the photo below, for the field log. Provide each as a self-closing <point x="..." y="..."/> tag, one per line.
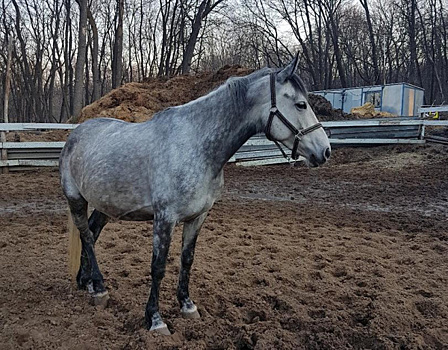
<point x="170" y="169"/>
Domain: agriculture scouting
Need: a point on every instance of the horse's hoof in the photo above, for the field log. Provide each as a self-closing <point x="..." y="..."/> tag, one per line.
<point x="100" y="299"/>
<point x="190" y="313"/>
<point x="161" y="328"/>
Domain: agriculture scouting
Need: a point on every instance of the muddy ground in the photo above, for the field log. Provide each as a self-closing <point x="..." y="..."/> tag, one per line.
<point x="353" y="255"/>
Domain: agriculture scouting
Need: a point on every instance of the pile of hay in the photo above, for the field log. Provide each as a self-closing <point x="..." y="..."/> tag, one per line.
<point x="367" y="110"/>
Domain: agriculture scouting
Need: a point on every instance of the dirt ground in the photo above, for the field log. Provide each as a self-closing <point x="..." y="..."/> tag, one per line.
<point x="353" y="255"/>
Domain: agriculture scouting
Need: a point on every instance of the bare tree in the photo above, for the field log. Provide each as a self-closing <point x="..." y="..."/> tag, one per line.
<point x="332" y="8"/>
<point x="410" y="15"/>
<point x="80" y="60"/>
<point x="306" y="22"/>
<point x="374" y="57"/>
<point x="7" y="84"/>
<point x="202" y="10"/>
<point x="66" y="74"/>
<point x="117" y="56"/>
<point x="263" y="20"/>
<point x="96" y="92"/>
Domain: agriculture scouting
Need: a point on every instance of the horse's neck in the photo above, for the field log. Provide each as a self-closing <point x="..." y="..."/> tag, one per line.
<point x="223" y="126"/>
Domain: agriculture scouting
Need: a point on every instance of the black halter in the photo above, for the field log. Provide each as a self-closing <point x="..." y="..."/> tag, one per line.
<point x="298" y="134"/>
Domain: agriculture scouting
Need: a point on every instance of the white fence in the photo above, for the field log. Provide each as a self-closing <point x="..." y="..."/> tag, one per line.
<point x="256" y="151"/>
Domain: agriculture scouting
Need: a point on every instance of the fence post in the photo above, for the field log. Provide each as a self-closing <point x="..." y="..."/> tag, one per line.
<point x="422" y="132"/>
<point x="4" y="153"/>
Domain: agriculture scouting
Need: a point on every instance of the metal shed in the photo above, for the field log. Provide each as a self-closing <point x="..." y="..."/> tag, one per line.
<point x="401" y="99"/>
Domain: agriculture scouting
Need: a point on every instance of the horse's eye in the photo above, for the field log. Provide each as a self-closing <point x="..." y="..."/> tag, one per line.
<point x="301" y="105"/>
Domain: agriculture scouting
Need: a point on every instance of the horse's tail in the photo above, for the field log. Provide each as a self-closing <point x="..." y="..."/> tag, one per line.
<point x="74" y="247"/>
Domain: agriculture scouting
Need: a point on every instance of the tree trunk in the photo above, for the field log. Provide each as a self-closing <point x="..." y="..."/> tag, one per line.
<point x="56" y="13"/>
<point x="332" y="9"/>
<point x="376" y="71"/>
<point x="86" y="72"/>
<point x="65" y="72"/>
<point x="337" y="51"/>
<point x="28" y="83"/>
<point x="80" y="61"/>
<point x="7" y="87"/>
<point x="203" y="11"/>
<point x="96" y="93"/>
<point x="117" y="59"/>
<point x="414" y="75"/>
<point x="189" y="50"/>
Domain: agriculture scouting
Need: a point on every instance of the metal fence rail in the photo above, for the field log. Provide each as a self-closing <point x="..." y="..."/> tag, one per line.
<point x="427" y="111"/>
<point x="437" y="139"/>
<point x="28" y="154"/>
<point x="256" y="151"/>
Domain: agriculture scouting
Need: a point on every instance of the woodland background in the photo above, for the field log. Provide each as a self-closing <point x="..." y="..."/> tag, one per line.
<point x="64" y="54"/>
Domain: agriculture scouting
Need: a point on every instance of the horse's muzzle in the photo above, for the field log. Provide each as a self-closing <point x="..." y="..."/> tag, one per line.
<point x="319" y="159"/>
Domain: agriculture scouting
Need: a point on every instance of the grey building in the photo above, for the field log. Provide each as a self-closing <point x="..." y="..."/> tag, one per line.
<point x="401" y="99"/>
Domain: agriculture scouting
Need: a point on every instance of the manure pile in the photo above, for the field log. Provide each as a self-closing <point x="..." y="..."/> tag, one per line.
<point x="137" y="102"/>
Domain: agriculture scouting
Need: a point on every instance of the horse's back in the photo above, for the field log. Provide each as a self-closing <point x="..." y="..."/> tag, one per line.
<point x="92" y="128"/>
<point x="89" y="140"/>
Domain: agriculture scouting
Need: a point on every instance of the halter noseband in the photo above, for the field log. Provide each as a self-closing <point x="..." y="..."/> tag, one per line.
<point x="298" y="134"/>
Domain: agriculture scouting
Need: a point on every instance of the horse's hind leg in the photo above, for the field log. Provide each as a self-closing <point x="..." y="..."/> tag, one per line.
<point x="189" y="238"/>
<point x="97" y="221"/>
<point x="90" y="276"/>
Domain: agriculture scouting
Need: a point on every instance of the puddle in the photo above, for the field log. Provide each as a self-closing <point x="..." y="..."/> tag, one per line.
<point x="439" y="208"/>
<point x="27" y="208"/>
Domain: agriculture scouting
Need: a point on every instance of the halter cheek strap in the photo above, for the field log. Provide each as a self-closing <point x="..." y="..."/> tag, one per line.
<point x="298" y="133"/>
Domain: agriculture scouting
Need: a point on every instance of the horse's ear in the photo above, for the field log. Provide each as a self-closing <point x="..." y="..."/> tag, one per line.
<point x="287" y="72"/>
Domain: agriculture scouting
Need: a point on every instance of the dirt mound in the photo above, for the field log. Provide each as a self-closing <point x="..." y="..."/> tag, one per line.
<point x="137" y="102"/>
<point x="38" y="136"/>
<point x="324" y="110"/>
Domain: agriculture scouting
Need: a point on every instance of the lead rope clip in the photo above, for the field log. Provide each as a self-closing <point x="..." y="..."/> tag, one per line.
<point x="291" y="161"/>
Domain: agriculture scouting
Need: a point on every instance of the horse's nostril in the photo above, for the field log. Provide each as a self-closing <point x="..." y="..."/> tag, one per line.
<point x="327" y="153"/>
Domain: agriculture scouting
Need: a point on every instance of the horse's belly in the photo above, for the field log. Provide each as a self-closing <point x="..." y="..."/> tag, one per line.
<point x="143" y="214"/>
<point x="121" y="206"/>
<point x="117" y="196"/>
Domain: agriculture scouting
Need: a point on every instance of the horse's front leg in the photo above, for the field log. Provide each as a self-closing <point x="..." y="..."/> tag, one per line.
<point x="163" y="231"/>
<point x="189" y="238"/>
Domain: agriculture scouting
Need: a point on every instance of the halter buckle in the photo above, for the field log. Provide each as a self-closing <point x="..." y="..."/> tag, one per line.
<point x="273" y="110"/>
<point x="299" y="136"/>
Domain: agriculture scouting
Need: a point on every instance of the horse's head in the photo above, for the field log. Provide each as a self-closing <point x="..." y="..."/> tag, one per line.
<point x="292" y="121"/>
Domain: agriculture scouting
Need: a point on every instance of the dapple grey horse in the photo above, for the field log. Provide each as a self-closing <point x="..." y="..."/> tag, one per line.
<point x="170" y="168"/>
